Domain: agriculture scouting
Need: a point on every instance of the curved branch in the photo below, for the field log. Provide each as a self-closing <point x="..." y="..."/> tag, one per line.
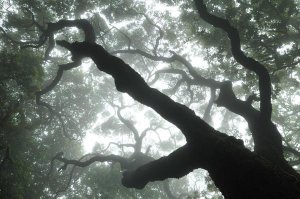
<point x="128" y="124"/>
<point x="267" y="139"/>
<point x="82" y="24"/>
<point x="63" y="189"/>
<point x="32" y="44"/>
<point x="97" y="158"/>
<point x="249" y="63"/>
<point x="49" y="33"/>
<point x="228" y="99"/>
<point x="161" y="32"/>
<point x="59" y="154"/>
<point x="129" y="81"/>
<point x="136" y="160"/>
<point x="38" y="94"/>
<point x="138" y="139"/>
<point x="58" y="77"/>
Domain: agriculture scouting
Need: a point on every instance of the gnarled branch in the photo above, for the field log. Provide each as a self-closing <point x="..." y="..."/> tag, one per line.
<point x="240" y="57"/>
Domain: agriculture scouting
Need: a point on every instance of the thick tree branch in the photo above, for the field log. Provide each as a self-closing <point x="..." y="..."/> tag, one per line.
<point x="177" y="164"/>
<point x="240" y="57"/>
<point x="82" y="24"/>
<point x="213" y="150"/>
<point x="223" y="156"/>
<point x="267" y="139"/>
<point x="49" y="33"/>
<point x="129" y="81"/>
<point x="228" y="99"/>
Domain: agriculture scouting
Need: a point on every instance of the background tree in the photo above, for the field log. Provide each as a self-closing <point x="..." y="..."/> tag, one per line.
<point x="263" y="30"/>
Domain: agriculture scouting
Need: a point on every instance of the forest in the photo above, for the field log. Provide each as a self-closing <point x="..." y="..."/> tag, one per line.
<point x="157" y="99"/>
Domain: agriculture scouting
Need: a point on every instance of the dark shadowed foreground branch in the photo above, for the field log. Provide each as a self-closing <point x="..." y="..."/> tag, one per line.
<point x="240" y="57"/>
<point x="267" y="139"/>
<point x="178" y="164"/>
<point x="237" y="172"/>
<point x="129" y="81"/>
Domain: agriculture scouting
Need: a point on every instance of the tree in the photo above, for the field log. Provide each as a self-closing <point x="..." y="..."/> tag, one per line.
<point x="235" y="170"/>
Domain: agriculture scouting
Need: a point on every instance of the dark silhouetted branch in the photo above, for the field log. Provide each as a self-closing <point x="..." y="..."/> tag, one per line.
<point x="96" y="158"/>
<point x="177" y="164"/>
<point x="64" y="188"/>
<point x="267" y="139"/>
<point x="129" y="81"/>
<point x="206" y="148"/>
<point x="240" y="57"/>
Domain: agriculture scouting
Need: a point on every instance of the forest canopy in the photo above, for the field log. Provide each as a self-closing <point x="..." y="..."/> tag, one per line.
<point x="149" y="99"/>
